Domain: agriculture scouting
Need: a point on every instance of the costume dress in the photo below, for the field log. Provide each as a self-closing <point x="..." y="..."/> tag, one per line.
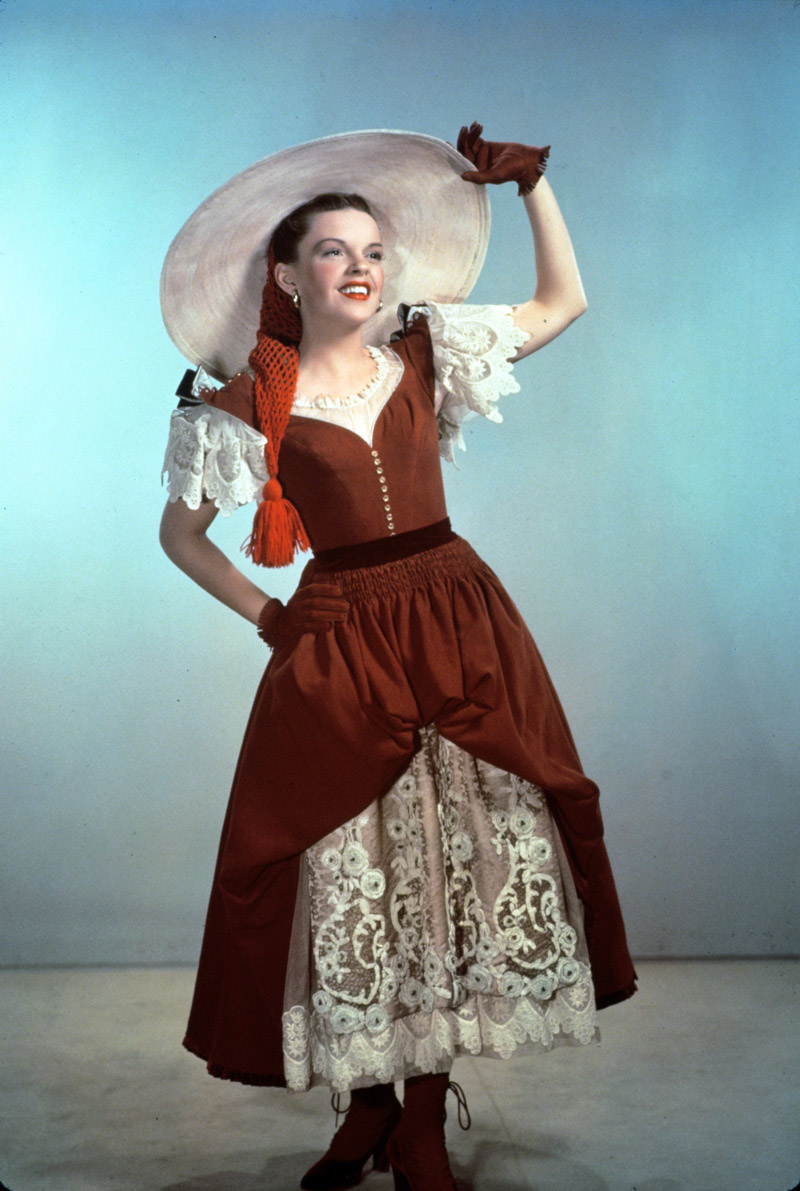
<point x="412" y="863"/>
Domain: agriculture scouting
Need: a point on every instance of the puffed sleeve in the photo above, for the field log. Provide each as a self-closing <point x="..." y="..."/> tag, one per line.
<point x="211" y="453"/>
<point x="472" y="350"/>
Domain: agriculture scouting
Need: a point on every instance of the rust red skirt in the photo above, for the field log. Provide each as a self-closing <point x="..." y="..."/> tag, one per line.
<point x="431" y="637"/>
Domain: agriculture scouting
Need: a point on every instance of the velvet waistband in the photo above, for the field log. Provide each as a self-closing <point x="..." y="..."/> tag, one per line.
<point x="383" y="550"/>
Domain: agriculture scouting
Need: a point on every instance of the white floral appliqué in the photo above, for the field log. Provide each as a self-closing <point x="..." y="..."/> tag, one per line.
<point x="472" y="351"/>
<point x="213" y="454"/>
<point x="439" y="924"/>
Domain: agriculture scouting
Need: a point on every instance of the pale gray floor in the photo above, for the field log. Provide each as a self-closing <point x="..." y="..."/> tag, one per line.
<point x="694" y="1088"/>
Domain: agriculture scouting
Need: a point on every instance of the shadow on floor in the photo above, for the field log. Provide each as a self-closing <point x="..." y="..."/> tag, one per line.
<point x="495" y="1166"/>
<point x="545" y="1166"/>
<point x="279" y="1173"/>
<point x="223" y="1180"/>
<point x="492" y="1166"/>
<point x="283" y="1173"/>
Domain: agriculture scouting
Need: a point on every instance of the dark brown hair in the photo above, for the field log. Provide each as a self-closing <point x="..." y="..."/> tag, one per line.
<point x="277" y="526"/>
<point x="294" y="226"/>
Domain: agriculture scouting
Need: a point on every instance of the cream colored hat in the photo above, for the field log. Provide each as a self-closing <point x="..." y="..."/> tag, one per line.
<point x="434" y="226"/>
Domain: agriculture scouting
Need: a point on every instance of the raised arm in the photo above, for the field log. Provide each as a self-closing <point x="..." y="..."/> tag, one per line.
<point x="558" y="297"/>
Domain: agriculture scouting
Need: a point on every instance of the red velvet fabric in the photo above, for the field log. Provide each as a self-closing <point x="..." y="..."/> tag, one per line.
<point x="429" y="639"/>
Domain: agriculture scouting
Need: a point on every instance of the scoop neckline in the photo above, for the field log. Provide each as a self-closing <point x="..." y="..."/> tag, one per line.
<point x="322" y="401"/>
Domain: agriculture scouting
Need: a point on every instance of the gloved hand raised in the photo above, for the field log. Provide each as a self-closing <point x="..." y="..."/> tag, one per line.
<point x="501" y="161"/>
<point x="311" y="609"/>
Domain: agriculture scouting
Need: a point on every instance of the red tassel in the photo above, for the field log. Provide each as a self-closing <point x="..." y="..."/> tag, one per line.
<point x="278" y="531"/>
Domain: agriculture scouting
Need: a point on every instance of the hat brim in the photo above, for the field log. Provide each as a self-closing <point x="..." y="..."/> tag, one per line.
<point x="434" y="227"/>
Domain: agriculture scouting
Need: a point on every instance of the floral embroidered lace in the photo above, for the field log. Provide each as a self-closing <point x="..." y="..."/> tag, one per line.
<point x="472" y="350"/>
<point x="210" y="453"/>
<point x="442" y="920"/>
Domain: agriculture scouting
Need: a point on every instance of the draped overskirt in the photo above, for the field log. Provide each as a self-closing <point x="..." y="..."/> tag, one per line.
<point x="430" y="639"/>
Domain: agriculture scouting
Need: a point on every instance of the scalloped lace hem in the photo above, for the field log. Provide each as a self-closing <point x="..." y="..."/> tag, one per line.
<point x="426" y="1043"/>
<point x="472" y="350"/>
<point x="214" y="455"/>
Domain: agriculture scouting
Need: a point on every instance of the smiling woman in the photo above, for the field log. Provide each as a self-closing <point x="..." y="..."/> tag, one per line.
<point x="412" y="865"/>
<point x="334" y="271"/>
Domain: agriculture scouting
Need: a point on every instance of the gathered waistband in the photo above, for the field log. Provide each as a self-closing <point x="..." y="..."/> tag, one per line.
<point x="386" y="549"/>
<point x="452" y="558"/>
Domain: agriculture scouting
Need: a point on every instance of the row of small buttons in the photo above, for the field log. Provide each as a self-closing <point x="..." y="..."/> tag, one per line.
<point x="387" y="508"/>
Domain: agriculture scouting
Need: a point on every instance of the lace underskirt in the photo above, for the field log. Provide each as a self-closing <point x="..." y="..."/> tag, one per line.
<point x="443" y="920"/>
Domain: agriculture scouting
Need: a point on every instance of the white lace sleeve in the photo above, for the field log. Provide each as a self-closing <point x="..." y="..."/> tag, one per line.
<point x="210" y="453"/>
<point x="472" y="346"/>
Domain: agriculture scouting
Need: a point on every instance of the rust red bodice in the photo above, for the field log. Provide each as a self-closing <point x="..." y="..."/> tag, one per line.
<point x="346" y="490"/>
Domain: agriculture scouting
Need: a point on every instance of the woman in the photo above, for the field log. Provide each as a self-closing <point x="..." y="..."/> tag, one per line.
<point x="390" y="888"/>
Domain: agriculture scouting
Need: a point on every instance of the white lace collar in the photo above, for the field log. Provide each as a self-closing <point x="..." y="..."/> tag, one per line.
<point x="361" y="398"/>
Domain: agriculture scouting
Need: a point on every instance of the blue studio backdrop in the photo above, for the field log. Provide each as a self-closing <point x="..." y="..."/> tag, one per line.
<point x="639" y="500"/>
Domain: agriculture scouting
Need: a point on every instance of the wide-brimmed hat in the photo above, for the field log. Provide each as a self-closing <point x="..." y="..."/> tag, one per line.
<point x="434" y="226"/>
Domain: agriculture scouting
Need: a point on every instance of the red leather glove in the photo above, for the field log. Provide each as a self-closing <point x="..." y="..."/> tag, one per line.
<point x="312" y="609"/>
<point x="501" y="161"/>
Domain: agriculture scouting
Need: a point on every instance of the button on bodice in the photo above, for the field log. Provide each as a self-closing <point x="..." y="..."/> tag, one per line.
<point x="349" y="491"/>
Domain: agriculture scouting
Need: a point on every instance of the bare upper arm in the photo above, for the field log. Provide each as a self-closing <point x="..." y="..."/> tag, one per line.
<point x="543" y="321"/>
<point x="179" y="523"/>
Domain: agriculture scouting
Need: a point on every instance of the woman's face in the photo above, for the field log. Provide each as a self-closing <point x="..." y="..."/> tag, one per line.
<point x="339" y="268"/>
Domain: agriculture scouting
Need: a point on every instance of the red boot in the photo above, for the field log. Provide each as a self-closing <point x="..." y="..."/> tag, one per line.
<point x="371" y="1117"/>
<point x="416" y="1149"/>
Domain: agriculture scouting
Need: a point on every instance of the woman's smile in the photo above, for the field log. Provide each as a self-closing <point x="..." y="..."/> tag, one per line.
<point x="341" y="256"/>
<point x="358" y="291"/>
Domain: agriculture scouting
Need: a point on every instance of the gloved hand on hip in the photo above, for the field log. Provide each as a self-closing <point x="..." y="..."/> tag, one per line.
<point x="312" y="609"/>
